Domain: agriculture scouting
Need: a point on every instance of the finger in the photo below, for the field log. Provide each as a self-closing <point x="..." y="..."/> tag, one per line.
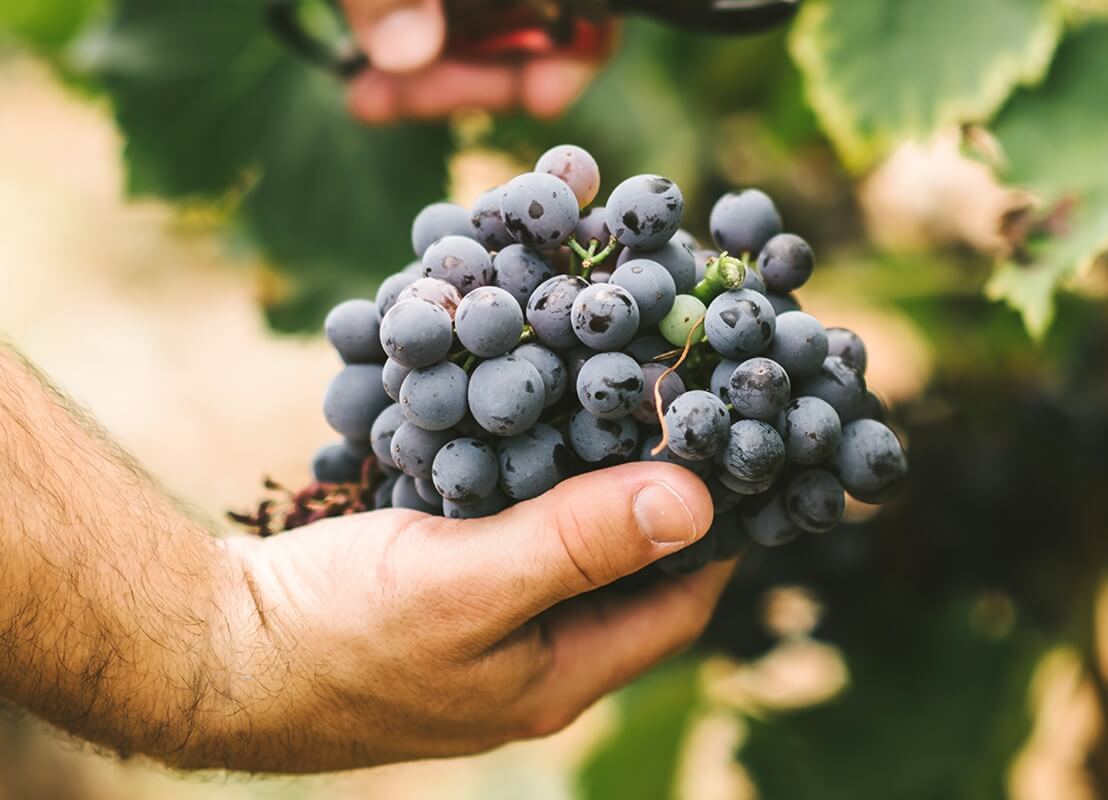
<point x="399" y="36"/>
<point x="549" y="85"/>
<point x="581" y="535"/>
<point x="601" y="642"/>
<point x="377" y="97"/>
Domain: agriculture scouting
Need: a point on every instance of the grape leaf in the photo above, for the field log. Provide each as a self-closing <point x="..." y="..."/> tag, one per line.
<point x="210" y="102"/>
<point x="882" y="71"/>
<point x="46" y="25"/>
<point x="936" y="713"/>
<point x="1053" y="137"/>
<point x="641" y="760"/>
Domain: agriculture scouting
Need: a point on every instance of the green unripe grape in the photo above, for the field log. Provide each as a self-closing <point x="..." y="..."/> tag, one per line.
<point x="675" y="326"/>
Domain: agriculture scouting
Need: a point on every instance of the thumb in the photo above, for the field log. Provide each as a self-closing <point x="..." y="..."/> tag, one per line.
<point x="586" y="533"/>
<point x="398" y="35"/>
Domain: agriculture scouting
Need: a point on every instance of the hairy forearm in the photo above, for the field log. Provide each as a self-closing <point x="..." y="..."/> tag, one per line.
<point x="115" y="607"/>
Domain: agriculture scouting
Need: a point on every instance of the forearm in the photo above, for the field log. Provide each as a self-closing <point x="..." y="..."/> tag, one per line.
<point x="113" y="604"/>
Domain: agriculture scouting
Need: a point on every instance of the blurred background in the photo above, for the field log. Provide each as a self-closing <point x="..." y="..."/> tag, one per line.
<point x="181" y="200"/>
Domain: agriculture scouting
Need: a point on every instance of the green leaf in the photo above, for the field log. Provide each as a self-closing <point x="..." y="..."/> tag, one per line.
<point x="939" y="713"/>
<point x="1054" y="138"/>
<point x="211" y="104"/>
<point x="641" y="759"/>
<point x="882" y="71"/>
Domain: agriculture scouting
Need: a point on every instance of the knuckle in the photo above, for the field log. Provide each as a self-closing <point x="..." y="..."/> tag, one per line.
<point x="549" y="721"/>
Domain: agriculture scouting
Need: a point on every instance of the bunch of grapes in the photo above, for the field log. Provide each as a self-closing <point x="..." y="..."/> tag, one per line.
<point x="532" y="341"/>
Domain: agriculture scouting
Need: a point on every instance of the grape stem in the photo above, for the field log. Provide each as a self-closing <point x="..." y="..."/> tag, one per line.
<point x="527" y="335"/>
<point x="590" y="258"/>
<point x="471" y="362"/>
<point x="720" y="275"/>
<point x="658" y="409"/>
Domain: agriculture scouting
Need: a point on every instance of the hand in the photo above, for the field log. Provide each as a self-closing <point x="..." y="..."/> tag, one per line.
<point x="395" y="635"/>
<point x="404" y="40"/>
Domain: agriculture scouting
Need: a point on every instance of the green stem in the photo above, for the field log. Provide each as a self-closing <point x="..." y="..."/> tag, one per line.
<point x="581" y="252"/>
<point x="721" y="274"/>
<point x="603" y="254"/>
<point x="528" y="335"/>
<point x="471" y="362"/>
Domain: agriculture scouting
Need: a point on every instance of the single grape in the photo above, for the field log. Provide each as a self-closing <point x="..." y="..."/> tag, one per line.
<point x="649" y="349"/>
<point x="766" y="521"/>
<point x="701" y="468"/>
<point x="413" y="449"/>
<point x="651" y="286"/>
<point x="337" y="463"/>
<point x="550" y="367"/>
<point x="540" y="210"/>
<point x="354" y="399"/>
<point x="406" y="495"/>
<point x="460" y="261"/>
<point x="550" y="311"/>
<point x="685" y="239"/>
<point x="603" y="442"/>
<point x="759" y="389"/>
<point x="811" y="430"/>
<point x="610" y="385"/>
<point x="434" y="398"/>
<point x="645" y="211"/>
<point x="605" y="317"/>
<point x="426" y="489"/>
<point x="720" y="382"/>
<point x="799" y="344"/>
<point x="486" y="224"/>
<point x="814" y="500"/>
<point x="743" y="488"/>
<point x="691" y="558"/>
<point x="380" y="435"/>
<point x="786" y="263"/>
<point x="434" y="291"/>
<point x="382" y="495"/>
<point x="874" y="408"/>
<point x="675" y="258"/>
<point x="487" y="507"/>
<point x="389" y="291"/>
<point x="742" y="222"/>
<point x="465" y="471"/>
<point x="506" y="395"/>
<point x="575" y="359"/>
<point x="685" y="318"/>
<point x="672" y="388"/>
<point x="755" y="452"/>
<point x="392" y="378"/>
<point x="698" y="425"/>
<point x="576" y="167"/>
<point x="533" y="462"/>
<point x="740" y="324"/>
<point x="417" y="333"/>
<point x="520" y="270"/>
<point x="593" y="227"/>
<point x="354" y="329"/>
<point x="870" y="461"/>
<point x="489" y="322"/>
<point x="848" y="346"/>
<point x="840" y="384"/>
<point x="783" y="303"/>
<point x="436" y="221"/>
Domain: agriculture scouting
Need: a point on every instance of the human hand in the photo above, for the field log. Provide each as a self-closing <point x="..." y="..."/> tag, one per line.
<point x="409" y="78"/>
<point x="396" y="635"/>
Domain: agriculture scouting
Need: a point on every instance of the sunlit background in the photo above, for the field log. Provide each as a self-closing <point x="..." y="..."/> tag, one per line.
<point x="181" y="201"/>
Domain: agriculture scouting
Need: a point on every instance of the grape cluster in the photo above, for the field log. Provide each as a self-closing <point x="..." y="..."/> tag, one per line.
<point x="533" y="341"/>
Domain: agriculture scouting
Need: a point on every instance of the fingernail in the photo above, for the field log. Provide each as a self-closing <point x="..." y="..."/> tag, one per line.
<point x="662" y="515"/>
<point x="405" y="39"/>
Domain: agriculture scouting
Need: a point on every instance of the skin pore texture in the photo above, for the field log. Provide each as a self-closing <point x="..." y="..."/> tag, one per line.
<point x="356" y="642"/>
